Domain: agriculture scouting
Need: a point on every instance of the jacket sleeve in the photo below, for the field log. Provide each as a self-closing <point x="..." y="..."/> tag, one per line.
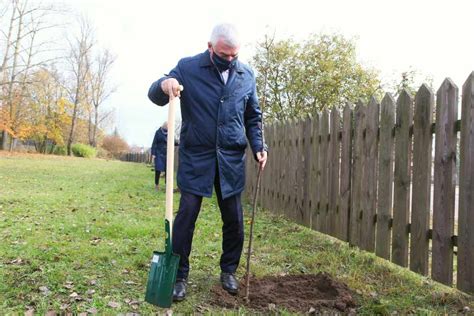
<point x="156" y="94"/>
<point x="154" y="145"/>
<point x="253" y="123"/>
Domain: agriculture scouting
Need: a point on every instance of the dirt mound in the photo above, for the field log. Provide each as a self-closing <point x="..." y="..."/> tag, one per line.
<point x="296" y="293"/>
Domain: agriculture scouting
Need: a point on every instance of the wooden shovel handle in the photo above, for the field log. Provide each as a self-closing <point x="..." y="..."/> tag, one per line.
<point x="173" y="103"/>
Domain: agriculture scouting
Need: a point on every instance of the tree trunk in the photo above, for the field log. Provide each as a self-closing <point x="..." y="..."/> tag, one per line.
<point x="4" y="140"/>
<point x="94" y="128"/>
<point x="71" y="132"/>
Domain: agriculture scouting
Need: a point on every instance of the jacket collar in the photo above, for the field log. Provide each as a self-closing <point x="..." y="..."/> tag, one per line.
<point x="205" y="61"/>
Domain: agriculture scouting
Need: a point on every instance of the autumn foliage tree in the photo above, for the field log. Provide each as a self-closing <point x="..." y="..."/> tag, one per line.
<point x="47" y="98"/>
<point x="115" y="144"/>
<point x="298" y="78"/>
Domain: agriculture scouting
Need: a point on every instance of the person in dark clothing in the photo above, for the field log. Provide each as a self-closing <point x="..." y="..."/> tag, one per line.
<point x="158" y="152"/>
<point x="220" y="112"/>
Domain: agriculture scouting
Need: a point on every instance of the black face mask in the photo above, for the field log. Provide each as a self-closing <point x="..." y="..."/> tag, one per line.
<point x="223" y="64"/>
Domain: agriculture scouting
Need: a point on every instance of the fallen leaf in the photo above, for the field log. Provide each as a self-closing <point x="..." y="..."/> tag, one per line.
<point x="17" y="261"/>
<point x="93" y="282"/>
<point x="129" y="282"/>
<point x="90" y="292"/>
<point x="73" y="295"/>
<point x="92" y="310"/>
<point x="113" y="304"/>
<point x="44" y="290"/>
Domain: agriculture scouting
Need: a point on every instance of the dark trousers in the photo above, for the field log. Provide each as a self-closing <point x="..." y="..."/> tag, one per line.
<point x="232" y="230"/>
<point x="157" y="177"/>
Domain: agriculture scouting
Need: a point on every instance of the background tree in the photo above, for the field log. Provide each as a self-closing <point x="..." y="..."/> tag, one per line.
<point x="410" y="80"/>
<point x="302" y="77"/>
<point x="48" y="116"/>
<point x="100" y="90"/>
<point x="22" y="52"/>
<point x="79" y="64"/>
<point x="115" y="144"/>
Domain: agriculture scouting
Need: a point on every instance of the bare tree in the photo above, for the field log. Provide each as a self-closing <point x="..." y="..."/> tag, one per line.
<point x="101" y="90"/>
<point x="79" y="63"/>
<point x="20" y="56"/>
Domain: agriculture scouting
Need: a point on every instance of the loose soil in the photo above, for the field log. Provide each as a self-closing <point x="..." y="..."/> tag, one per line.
<point x="296" y="293"/>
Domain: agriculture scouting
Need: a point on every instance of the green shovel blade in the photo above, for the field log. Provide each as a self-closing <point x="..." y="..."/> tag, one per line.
<point x="162" y="276"/>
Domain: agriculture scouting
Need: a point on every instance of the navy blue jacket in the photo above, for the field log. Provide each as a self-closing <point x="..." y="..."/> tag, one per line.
<point x="158" y="149"/>
<point x="217" y="119"/>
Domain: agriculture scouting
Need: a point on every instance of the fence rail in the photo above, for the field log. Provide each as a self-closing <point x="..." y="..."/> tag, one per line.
<point x="387" y="182"/>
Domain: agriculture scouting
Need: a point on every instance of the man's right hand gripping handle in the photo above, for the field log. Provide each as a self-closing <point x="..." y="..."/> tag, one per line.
<point x="171" y="87"/>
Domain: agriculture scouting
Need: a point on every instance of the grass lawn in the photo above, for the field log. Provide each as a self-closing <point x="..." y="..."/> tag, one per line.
<point x="76" y="235"/>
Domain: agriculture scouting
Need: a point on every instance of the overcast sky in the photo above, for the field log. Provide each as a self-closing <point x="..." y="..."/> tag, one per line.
<point x="150" y="36"/>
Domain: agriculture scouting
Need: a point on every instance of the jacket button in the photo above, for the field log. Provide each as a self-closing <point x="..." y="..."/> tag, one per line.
<point x="222" y="100"/>
<point x="220" y="124"/>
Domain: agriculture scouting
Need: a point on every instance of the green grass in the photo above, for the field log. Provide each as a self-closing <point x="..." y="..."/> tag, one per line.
<point x="77" y="235"/>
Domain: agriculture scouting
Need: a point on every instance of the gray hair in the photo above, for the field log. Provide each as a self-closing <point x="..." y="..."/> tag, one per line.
<point x="227" y="32"/>
<point x="165" y="125"/>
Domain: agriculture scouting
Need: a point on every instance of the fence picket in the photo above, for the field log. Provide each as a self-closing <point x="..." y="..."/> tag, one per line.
<point x="465" y="277"/>
<point x="385" y="175"/>
<point x="401" y="190"/>
<point x="324" y="164"/>
<point x="359" y="121"/>
<point x="345" y="183"/>
<point x="444" y="186"/>
<point x="307" y="156"/>
<point x="314" y="192"/>
<point x="421" y="187"/>
<point x="369" y="190"/>
<point x="334" y="152"/>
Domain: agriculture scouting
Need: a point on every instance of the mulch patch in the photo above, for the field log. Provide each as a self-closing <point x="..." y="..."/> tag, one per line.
<point x="305" y="293"/>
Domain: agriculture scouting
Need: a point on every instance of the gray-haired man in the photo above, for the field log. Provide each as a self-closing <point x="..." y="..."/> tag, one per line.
<point x="220" y="111"/>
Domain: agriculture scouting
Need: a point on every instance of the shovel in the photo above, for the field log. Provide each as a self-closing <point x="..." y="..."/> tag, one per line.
<point x="164" y="265"/>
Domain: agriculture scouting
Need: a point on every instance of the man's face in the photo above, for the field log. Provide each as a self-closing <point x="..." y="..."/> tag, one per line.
<point x="223" y="50"/>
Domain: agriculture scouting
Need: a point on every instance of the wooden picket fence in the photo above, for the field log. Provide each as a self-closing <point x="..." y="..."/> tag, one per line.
<point x="146" y="158"/>
<point x="136" y="157"/>
<point x="368" y="176"/>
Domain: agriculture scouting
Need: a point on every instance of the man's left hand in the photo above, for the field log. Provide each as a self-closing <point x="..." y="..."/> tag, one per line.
<point x="262" y="159"/>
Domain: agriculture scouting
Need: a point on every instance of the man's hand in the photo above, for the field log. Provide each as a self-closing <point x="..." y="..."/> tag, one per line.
<point x="262" y="159"/>
<point x="152" y="157"/>
<point x="171" y="87"/>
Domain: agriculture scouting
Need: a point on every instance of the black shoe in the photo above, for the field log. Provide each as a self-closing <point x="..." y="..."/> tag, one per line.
<point x="179" y="290"/>
<point x="229" y="283"/>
